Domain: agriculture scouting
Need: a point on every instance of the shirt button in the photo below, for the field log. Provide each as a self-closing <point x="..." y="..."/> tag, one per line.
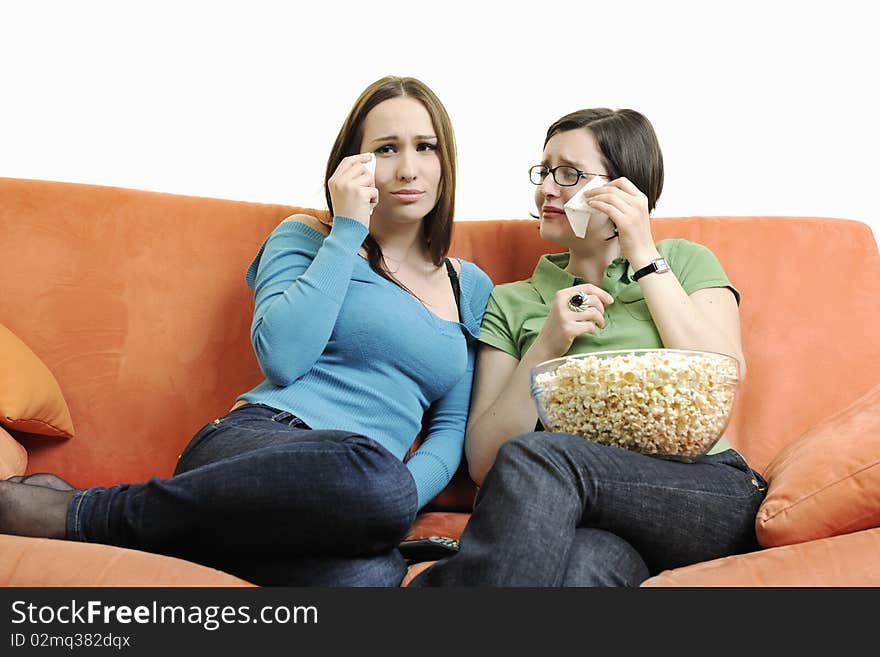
<point x="217" y="421"/>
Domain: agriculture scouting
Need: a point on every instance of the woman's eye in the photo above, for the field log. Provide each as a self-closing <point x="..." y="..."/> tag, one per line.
<point x="385" y="150"/>
<point x="426" y="146"/>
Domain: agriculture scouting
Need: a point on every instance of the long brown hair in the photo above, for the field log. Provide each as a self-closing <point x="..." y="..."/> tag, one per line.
<point x="437" y="224"/>
<point x="627" y="142"/>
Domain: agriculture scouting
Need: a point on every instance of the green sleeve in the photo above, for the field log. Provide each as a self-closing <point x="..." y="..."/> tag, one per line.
<point x="697" y="268"/>
<point x="495" y="328"/>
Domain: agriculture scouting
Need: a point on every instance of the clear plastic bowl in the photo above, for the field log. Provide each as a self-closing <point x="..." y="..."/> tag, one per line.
<point x="672" y="403"/>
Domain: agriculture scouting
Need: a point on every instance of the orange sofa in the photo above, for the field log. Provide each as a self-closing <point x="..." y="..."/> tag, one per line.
<point x="135" y="304"/>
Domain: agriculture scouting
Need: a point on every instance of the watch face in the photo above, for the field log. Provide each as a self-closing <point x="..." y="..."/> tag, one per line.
<point x="660" y="266"/>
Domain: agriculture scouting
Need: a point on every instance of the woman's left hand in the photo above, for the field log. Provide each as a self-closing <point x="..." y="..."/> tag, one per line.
<point x="627" y="207"/>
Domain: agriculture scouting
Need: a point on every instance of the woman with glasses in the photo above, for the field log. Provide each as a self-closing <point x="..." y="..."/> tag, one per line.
<point x="365" y="333"/>
<point x="555" y="509"/>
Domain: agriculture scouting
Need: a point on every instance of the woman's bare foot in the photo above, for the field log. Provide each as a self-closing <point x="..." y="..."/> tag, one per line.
<point x="42" y="479"/>
<point x="33" y="510"/>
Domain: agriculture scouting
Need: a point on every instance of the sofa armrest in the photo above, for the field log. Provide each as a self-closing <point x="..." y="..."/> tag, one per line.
<point x="846" y="560"/>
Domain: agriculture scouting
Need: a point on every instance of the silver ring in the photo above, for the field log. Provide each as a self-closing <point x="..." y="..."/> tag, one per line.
<point x="578" y="302"/>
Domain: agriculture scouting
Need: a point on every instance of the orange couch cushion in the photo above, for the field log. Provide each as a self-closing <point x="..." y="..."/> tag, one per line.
<point x="13" y="456"/>
<point x="47" y="562"/>
<point x="439" y="523"/>
<point x="849" y="560"/>
<point x="30" y="397"/>
<point x="827" y="482"/>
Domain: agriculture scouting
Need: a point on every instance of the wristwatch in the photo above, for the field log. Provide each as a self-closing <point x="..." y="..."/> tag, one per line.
<point x="659" y="265"/>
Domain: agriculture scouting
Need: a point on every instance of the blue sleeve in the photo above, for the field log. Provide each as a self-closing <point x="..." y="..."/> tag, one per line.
<point x="300" y="279"/>
<point x="435" y="461"/>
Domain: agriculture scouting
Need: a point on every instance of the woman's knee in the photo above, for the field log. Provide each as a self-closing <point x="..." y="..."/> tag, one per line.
<point x="527" y="447"/>
<point x="544" y="454"/>
<point x="543" y="445"/>
<point x="534" y="467"/>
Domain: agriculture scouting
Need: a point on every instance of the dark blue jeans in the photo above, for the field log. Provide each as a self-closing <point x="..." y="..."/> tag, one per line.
<point x="558" y="510"/>
<point x="260" y="495"/>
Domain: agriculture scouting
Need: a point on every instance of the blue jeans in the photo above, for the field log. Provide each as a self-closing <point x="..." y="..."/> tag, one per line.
<point x="260" y="495"/>
<point x="558" y="510"/>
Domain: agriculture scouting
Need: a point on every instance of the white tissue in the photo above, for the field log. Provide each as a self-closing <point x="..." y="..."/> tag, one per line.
<point x="370" y="164"/>
<point x="577" y="210"/>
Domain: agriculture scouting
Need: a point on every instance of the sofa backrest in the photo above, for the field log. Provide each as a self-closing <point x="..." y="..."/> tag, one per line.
<point x="136" y="301"/>
<point x="809" y="310"/>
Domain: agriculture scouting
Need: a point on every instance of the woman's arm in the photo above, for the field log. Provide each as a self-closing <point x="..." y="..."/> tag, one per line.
<point x="299" y="285"/>
<point x="501" y="407"/>
<point x="300" y="281"/>
<point x="708" y="319"/>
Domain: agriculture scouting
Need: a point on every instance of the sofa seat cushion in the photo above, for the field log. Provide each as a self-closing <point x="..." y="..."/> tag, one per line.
<point x="848" y="560"/>
<point x="30" y="397"/>
<point x="46" y="562"/>
<point x="826" y="483"/>
<point x="438" y="523"/>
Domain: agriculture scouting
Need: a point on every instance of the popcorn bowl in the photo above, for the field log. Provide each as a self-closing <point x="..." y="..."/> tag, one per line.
<point x="671" y="403"/>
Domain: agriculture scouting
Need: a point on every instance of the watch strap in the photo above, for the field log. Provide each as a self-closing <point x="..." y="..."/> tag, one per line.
<point x="659" y="265"/>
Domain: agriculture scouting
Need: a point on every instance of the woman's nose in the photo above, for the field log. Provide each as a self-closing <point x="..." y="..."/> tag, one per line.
<point x="549" y="186"/>
<point x="406" y="165"/>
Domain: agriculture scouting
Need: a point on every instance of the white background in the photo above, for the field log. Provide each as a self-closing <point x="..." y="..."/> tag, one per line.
<point x="762" y="108"/>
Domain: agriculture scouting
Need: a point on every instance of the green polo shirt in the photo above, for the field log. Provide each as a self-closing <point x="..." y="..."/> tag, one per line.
<point x="517" y="311"/>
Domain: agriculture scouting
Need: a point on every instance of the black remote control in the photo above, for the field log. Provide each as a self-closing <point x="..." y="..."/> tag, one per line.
<point x="431" y="548"/>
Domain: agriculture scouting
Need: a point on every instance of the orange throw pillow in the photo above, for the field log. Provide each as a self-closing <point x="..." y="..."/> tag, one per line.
<point x="30" y="397"/>
<point x="13" y="457"/>
<point x="827" y="482"/>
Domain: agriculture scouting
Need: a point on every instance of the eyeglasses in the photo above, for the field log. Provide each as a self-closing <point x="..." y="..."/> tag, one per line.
<point x="564" y="176"/>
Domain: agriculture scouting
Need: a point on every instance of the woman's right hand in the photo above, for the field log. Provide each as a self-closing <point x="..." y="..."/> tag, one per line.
<point x="352" y="189"/>
<point x="563" y="324"/>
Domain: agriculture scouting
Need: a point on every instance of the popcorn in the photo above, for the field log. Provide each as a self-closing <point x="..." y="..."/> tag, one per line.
<point x="666" y="402"/>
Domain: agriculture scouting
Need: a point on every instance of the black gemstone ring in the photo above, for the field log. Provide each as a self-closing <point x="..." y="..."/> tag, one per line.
<point x="578" y="303"/>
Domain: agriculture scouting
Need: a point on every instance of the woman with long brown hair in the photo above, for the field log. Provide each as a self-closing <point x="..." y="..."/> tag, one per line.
<point x="364" y="330"/>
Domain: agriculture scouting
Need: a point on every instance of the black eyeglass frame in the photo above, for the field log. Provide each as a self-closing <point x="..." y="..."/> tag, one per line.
<point x="552" y="172"/>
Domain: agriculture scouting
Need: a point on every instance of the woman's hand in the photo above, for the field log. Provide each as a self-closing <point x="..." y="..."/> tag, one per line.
<point x="352" y="189"/>
<point x="564" y="323"/>
<point x="627" y="207"/>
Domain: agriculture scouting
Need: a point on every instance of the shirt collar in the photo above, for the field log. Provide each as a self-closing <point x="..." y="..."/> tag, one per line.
<point x="550" y="275"/>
